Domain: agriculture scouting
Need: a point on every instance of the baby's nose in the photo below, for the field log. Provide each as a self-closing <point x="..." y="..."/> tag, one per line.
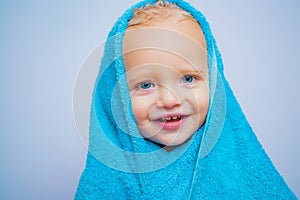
<point x="168" y="98"/>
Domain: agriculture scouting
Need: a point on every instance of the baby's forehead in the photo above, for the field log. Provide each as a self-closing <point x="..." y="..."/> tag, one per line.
<point x="170" y="30"/>
<point x="178" y="41"/>
<point x="163" y="27"/>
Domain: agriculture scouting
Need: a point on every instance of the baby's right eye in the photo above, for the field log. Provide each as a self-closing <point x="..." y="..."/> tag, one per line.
<point x="146" y="85"/>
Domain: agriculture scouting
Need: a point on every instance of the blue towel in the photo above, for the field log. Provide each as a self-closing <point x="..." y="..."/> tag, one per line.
<point x="223" y="159"/>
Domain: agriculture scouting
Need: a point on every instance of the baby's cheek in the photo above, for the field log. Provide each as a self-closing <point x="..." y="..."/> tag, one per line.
<point x="202" y="101"/>
<point x="140" y="109"/>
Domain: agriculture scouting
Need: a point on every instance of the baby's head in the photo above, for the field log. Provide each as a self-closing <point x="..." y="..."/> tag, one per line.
<point x="165" y="59"/>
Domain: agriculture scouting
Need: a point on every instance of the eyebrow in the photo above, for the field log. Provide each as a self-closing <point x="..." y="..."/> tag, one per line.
<point x="132" y="80"/>
<point x="140" y="76"/>
<point x="186" y="71"/>
<point x="194" y="71"/>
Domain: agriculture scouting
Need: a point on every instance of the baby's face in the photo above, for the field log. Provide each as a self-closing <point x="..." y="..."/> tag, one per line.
<point x="167" y="76"/>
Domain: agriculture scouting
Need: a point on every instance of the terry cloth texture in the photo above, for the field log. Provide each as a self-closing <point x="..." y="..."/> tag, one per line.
<point x="223" y="160"/>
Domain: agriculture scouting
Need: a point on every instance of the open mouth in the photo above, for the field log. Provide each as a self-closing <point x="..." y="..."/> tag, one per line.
<point x="171" y="122"/>
<point x="170" y="119"/>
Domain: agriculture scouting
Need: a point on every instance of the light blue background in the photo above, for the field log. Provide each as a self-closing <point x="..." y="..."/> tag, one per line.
<point x="43" y="44"/>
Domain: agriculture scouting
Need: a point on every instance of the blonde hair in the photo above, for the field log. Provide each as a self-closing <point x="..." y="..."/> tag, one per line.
<point x="157" y="12"/>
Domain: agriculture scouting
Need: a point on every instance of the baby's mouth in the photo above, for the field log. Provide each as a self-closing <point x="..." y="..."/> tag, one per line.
<point x="170" y="119"/>
<point x="170" y="122"/>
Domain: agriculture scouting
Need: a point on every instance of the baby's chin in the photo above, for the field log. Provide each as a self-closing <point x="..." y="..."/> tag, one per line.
<point x="170" y="145"/>
<point x="163" y="146"/>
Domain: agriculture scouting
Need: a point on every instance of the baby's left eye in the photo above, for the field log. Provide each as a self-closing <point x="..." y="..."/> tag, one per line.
<point x="188" y="79"/>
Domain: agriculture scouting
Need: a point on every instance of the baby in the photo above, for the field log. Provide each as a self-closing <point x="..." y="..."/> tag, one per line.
<point x="168" y="82"/>
<point x="161" y="84"/>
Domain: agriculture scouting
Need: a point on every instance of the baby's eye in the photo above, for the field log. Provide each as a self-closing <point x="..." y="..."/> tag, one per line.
<point x="188" y="79"/>
<point x="146" y="85"/>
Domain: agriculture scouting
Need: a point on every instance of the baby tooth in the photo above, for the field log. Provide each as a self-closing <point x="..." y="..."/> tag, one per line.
<point x="174" y="118"/>
<point x="168" y="118"/>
